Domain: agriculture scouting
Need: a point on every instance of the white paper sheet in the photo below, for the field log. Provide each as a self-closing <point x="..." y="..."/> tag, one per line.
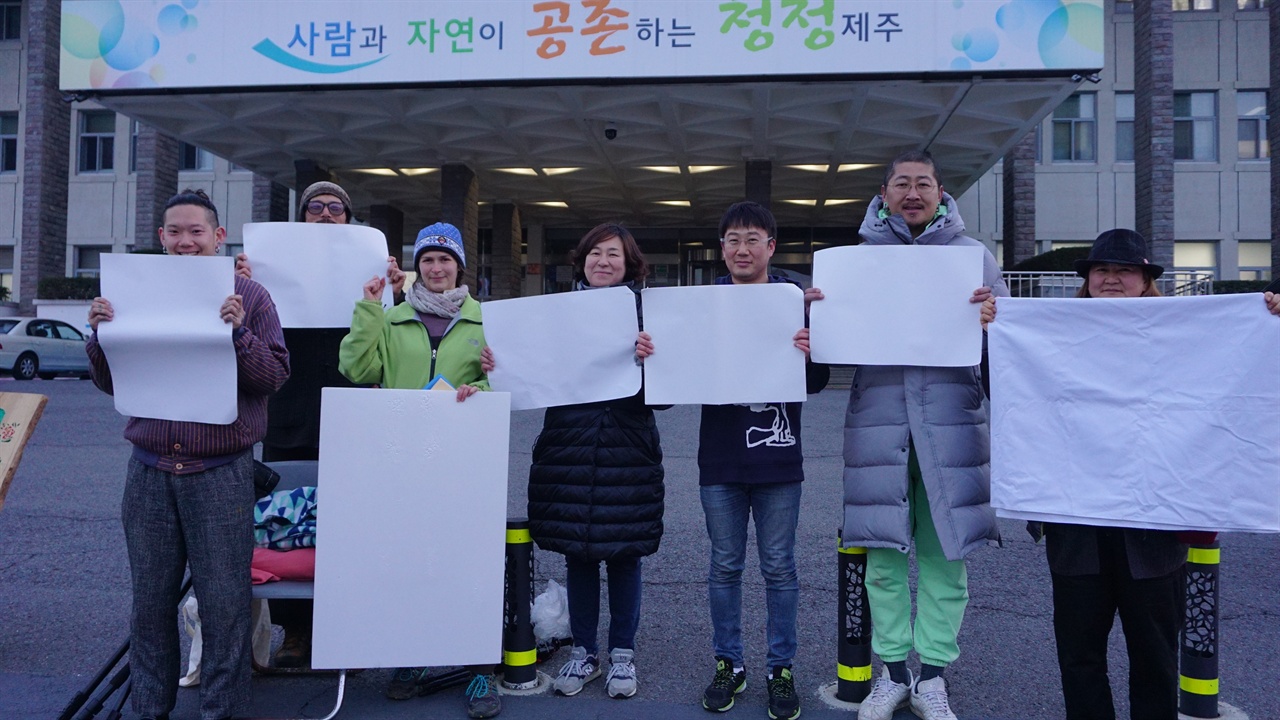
<point x="1138" y="412"/>
<point x="896" y="305"/>
<point x="724" y="344"/>
<point x="565" y="348"/>
<point x="411" y="534"/>
<point x="171" y="354"/>
<point x="316" y="272"/>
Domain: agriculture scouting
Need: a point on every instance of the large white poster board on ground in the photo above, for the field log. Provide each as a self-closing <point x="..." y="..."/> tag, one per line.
<point x="1139" y="412"/>
<point x="565" y="348"/>
<point x="170" y="352"/>
<point x="724" y="344"/>
<point x="315" y="272"/>
<point x="897" y="305"/>
<point x="411" y="536"/>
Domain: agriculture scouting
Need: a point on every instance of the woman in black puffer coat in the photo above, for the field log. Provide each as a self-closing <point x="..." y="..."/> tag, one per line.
<point x="595" y="489"/>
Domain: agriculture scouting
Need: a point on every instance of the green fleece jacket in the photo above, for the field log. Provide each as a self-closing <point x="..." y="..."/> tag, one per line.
<point x="392" y="348"/>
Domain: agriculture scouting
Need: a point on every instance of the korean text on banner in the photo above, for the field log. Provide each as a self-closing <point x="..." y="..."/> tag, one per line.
<point x="897" y="305"/>
<point x="564" y="349"/>
<point x="170" y="352"/>
<point x="315" y="272"/>
<point x="724" y="344"/>
<point x="1137" y="412"/>
<point x="413" y="527"/>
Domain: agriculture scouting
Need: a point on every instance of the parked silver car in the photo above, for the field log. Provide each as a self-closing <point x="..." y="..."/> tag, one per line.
<point x="31" y="347"/>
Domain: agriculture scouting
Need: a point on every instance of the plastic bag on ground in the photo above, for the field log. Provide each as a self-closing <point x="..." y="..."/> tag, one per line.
<point x="260" y="621"/>
<point x="550" y="615"/>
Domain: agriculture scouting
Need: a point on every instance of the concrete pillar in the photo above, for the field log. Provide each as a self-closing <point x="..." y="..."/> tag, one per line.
<point x="535" y="270"/>
<point x="157" y="174"/>
<point x="307" y="172"/>
<point x="1153" y="128"/>
<point x="759" y="182"/>
<point x="1020" y="201"/>
<point x="46" y="156"/>
<point x="270" y="200"/>
<point x="506" y="252"/>
<point x="460" y="206"/>
<point x="390" y="220"/>
<point x="1273" y="135"/>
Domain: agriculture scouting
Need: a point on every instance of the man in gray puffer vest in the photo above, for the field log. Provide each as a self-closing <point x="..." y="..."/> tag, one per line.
<point x="916" y="454"/>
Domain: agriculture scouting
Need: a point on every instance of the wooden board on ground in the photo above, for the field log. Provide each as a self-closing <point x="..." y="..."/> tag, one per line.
<point x="19" y="413"/>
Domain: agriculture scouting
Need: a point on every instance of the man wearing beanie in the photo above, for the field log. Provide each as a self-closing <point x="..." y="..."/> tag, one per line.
<point x="293" y="413"/>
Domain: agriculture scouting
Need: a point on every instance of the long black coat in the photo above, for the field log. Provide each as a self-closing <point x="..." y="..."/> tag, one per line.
<point x="595" y="488"/>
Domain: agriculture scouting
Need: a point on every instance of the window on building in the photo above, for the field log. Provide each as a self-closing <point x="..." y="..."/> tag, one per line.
<point x="1251" y="107"/>
<point x="1124" y="127"/>
<point x="89" y="259"/>
<point x="1255" y="260"/>
<point x="1197" y="256"/>
<point x="1194" y="5"/>
<point x="193" y="158"/>
<point x="133" y="146"/>
<point x="11" y="19"/>
<point x="1075" y="129"/>
<point x="1124" y="7"/>
<point x="97" y="141"/>
<point x="1195" y="123"/>
<point x="1251" y="4"/>
<point x="232" y="250"/>
<point x="9" y="142"/>
<point x="6" y="268"/>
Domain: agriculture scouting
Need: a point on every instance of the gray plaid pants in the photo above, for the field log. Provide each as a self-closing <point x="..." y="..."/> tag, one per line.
<point x="204" y="519"/>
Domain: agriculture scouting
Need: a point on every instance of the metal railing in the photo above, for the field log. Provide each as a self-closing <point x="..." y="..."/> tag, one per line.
<point x="1065" y="284"/>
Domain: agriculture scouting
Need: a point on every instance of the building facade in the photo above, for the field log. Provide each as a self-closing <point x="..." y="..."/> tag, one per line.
<point x="1084" y="170"/>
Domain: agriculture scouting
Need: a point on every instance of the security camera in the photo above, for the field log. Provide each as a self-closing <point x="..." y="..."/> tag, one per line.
<point x="610" y="131"/>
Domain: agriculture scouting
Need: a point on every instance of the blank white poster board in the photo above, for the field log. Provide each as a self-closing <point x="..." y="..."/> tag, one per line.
<point x="411" y="531"/>
<point x="316" y="272"/>
<point x="896" y="305"/>
<point x="1137" y="412"/>
<point x="564" y="349"/>
<point x="170" y="352"/>
<point x="724" y="344"/>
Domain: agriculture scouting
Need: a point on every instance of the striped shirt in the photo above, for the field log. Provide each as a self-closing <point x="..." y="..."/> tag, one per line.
<point x="262" y="364"/>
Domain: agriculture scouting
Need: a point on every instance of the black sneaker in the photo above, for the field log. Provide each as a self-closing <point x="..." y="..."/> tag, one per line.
<point x="718" y="697"/>
<point x="783" y="703"/>
<point x="406" y="683"/>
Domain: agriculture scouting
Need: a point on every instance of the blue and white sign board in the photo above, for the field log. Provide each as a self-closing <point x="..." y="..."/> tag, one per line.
<point x="139" y="44"/>
<point x="410" y="540"/>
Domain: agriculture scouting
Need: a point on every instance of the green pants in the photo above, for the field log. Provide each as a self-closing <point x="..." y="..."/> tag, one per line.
<point x="941" y="595"/>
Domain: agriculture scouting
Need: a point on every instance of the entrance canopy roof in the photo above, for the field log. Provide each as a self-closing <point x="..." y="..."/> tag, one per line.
<point x="654" y="129"/>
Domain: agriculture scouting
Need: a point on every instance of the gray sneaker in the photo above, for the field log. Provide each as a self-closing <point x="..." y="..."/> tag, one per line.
<point x="621" y="680"/>
<point x="580" y="670"/>
<point x="886" y="698"/>
<point x="929" y="700"/>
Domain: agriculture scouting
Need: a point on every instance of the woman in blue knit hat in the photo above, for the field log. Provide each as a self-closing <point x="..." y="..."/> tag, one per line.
<point x="436" y="335"/>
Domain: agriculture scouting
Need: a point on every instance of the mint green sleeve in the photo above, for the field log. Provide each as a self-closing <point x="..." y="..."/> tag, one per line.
<point x="363" y="351"/>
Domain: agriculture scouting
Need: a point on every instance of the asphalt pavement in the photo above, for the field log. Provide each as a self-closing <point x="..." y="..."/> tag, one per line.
<point x="64" y="594"/>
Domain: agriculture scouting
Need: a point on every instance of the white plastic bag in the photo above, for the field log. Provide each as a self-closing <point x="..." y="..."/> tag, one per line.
<point x="550" y="614"/>
<point x="260" y="619"/>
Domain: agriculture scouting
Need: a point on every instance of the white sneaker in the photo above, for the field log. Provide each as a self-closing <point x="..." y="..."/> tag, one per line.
<point x="886" y="698"/>
<point x="580" y="670"/>
<point x="621" y="680"/>
<point x="929" y="700"/>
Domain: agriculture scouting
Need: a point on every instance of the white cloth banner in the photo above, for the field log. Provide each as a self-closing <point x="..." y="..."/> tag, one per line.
<point x="897" y="305"/>
<point x="316" y="272"/>
<point x="724" y="344"/>
<point x="170" y="352"/>
<point x="564" y="349"/>
<point x="411" y="542"/>
<point x="1137" y="412"/>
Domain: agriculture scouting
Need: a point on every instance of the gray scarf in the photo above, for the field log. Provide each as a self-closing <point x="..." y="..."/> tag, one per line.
<point x="446" y="304"/>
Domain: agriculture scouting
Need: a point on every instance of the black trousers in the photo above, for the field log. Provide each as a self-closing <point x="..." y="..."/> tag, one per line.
<point x="1084" y="608"/>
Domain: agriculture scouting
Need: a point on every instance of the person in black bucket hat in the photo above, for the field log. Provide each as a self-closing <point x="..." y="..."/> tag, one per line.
<point x="1115" y="254"/>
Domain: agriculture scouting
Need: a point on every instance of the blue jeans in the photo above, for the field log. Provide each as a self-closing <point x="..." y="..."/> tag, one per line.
<point x="776" y="508"/>
<point x="583" y="588"/>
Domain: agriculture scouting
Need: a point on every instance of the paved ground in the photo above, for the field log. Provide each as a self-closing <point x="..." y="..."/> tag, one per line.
<point x="64" y="593"/>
